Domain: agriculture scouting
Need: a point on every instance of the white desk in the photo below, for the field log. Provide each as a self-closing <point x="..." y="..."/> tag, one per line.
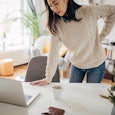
<point x="77" y="99"/>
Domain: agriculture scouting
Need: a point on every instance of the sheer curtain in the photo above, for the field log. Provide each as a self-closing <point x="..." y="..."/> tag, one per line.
<point x="10" y="30"/>
<point x="15" y="29"/>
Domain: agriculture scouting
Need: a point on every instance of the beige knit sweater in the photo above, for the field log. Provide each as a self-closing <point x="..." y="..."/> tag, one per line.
<point x="82" y="38"/>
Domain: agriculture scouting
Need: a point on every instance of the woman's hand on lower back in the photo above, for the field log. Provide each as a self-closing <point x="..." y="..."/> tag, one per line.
<point x="39" y="82"/>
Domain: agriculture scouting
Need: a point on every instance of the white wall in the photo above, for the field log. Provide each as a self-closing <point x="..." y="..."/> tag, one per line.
<point x="112" y="2"/>
<point x="97" y="1"/>
<point x="81" y="2"/>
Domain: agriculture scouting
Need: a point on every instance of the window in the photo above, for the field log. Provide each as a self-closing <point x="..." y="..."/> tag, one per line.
<point x="11" y="31"/>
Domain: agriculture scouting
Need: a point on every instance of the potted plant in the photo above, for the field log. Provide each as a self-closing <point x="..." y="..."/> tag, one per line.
<point x="111" y="98"/>
<point x="32" y="22"/>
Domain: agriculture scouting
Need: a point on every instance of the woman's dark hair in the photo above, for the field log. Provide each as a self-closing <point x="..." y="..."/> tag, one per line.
<point x="53" y="18"/>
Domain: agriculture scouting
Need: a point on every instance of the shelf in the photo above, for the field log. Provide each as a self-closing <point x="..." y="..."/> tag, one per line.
<point x="108" y="46"/>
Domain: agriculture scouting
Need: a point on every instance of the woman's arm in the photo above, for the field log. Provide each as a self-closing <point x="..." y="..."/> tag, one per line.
<point x="95" y="12"/>
<point x="107" y="12"/>
<point x="53" y="58"/>
<point x="52" y="61"/>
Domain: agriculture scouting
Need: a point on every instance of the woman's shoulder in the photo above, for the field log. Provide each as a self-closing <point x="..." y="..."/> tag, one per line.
<point x="92" y="10"/>
<point x="85" y="10"/>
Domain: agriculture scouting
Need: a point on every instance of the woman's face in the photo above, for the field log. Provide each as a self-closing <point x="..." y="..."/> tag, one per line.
<point x="58" y="6"/>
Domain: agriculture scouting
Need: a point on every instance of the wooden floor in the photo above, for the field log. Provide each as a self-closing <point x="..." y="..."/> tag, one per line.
<point x="21" y="71"/>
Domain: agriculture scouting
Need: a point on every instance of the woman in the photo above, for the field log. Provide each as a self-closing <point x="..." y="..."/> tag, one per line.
<point x="76" y="27"/>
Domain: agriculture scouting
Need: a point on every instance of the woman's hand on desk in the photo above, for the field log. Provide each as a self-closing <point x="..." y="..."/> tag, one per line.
<point x="39" y="82"/>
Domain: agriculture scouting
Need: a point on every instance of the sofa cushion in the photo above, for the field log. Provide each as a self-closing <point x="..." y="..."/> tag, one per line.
<point x="46" y="48"/>
<point x="62" y="51"/>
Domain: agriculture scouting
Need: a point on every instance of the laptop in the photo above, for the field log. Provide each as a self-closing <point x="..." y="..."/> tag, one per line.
<point x="12" y="92"/>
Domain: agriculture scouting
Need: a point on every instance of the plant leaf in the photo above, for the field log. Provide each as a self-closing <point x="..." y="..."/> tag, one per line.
<point x="106" y="97"/>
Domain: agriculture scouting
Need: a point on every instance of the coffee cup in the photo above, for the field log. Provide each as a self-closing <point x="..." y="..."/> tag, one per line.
<point x="57" y="91"/>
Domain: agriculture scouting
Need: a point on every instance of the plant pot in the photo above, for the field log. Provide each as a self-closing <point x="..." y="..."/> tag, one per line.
<point x="113" y="110"/>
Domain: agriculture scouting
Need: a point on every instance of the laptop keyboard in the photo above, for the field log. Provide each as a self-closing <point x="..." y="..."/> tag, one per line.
<point x="27" y="97"/>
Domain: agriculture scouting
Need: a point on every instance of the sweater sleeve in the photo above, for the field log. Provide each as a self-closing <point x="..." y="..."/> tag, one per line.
<point x="53" y="58"/>
<point x="95" y="12"/>
<point x="107" y="12"/>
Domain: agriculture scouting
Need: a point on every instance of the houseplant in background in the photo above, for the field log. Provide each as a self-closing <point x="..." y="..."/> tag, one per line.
<point x="31" y="20"/>
<point x="111" y="98"/>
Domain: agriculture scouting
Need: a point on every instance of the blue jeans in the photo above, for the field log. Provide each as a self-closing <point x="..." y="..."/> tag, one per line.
<point x="94" y="75"/>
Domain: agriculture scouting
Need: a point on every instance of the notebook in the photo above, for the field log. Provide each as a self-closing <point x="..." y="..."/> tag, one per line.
<point x="12" y="92"/>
